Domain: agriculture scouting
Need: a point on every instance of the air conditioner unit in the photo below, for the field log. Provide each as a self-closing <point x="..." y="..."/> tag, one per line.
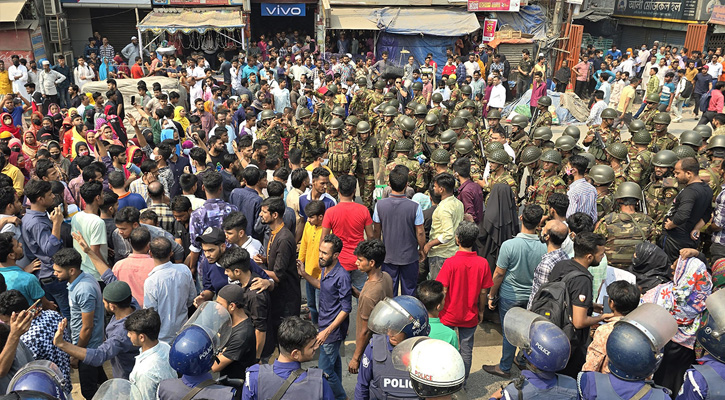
<point x="68" y="55"/>
<point x="58" y="29"/>
<point x="51" y="7"/>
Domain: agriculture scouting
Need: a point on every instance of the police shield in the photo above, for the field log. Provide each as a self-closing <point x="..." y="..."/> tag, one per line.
<point x="215" y="320"/>
<point x="117" y="389"/>
<point x="716" y="308"/>
<point x="656" y="322"/>
<point x="517" y="326"/>
<point x="39" y="376"/>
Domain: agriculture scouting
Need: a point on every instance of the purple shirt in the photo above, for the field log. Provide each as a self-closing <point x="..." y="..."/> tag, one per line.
<point x="471" y="195"/>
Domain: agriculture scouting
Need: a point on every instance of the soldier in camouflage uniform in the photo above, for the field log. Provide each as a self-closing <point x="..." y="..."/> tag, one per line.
<point x="694" y="140"/>
<point x="606" y="131"/>
<point x="403" y="148"/>
<point x="466" y="92"/>
<point x="465" y="148"/>
<point x="519" y="137"/>
<point x="529" y="163"/>
<point x="542" y="137"/>
<point x="273" y="130"/>
<point x="456" y="95"/>
<point x="647" y="116"/>
<point x="498" y="160"/>
<point x="419" y="132"/>
<point x="365" y="172"/>
<point x="440" y="161"/>
<point x="548" y="182"/>
<point x="438" y="110"/>
<point x="494" y="125"/>
<point x="617" y="159"/>
<point x="625" y="228"/>
<point x="661" y="139"/>
<point x="430" y="139"/>
<point x="409" y="108"/>
<point x="324" y="111"/>
<point x="634" y="127"/>
<point x="376" y="97"/>
<point x="418" y="93"/>
<point x="341" y="151"/>
<point x="458" y="125"/>
<point x="567" y="147"/>
<point x="406" y="125"/>
<point x="472" y="123"/>
<point x="361" y="100"/>
<point x="448" y="140"/>
<point x="544" y="117"/>
<point x="602" y="177"/>
<point x="387" y="129"/>
<point x="662" y="188"/>
<point x="306" y="137"/>
<point x="640" y="168"/>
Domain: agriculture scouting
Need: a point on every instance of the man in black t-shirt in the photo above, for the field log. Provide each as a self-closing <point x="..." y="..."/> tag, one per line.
<point x="588" y="251"/>
<point x="239" y="352"/>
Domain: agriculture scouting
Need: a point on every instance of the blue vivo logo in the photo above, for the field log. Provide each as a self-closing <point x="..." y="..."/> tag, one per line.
<point x="283" y="10"/>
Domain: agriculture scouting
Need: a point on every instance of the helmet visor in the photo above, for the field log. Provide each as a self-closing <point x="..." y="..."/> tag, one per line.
<point x="655" y="322"/>
<point x="716" y="307"/>
<point x="215" y="320"/>
<point x="117" y="389"/>
<point x="45" y="367"/>
<point x="401" y="352"/>
<point x="517" y="326"/>
<point x="388" y="318"/>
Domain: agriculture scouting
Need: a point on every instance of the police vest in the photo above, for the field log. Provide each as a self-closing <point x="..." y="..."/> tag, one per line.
<point x="387" y="381"/>
<point x="715" y="382"/>
<point x="309" y="387"/>
<point x="565" y="389"/>
<point x="604" y="389"/>
<point x="175" y="389"/>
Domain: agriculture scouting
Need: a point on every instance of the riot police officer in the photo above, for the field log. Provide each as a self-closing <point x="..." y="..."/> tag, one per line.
<point x="116" y="389"/>
<point x="634" y="349"/>
<point x="435" y="367"/>
<point x="38" y="380"/>
<point x="544" y="117"/>
<point x="602" y="177"/>
<point x="392" y="321"/>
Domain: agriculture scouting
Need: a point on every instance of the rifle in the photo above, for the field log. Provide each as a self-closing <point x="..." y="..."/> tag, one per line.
<point x="599" y="139"/>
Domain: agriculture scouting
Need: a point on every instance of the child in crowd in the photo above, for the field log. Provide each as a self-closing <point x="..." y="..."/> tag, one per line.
<point x="309" y="249"/>
<point x="431" y="294"/>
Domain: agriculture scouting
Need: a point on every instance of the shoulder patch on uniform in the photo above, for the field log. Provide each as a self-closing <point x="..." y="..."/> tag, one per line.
<point x="582" y="298"/>
<point x="365" y="361"/>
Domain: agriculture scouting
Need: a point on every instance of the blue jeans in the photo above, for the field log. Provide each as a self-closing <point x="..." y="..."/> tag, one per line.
<point x="331" y="364"/>
<point x="57" y="292"/>
<point x="64" y="98"/>
<point x="641" y="108"/>
<point x="404" y="276"/>
<point x="465" y="344"/>
<point x="312" y="301"/>
<point x="508" y="350"/>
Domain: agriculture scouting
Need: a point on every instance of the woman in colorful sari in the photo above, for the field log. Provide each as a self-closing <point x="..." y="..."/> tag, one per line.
<point x="6" y="125"/>
<point x="30" y="149"/>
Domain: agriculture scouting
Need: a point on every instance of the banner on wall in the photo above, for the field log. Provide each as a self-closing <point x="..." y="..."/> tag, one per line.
<point x="494" y="5"/>
<point x="489" y="29"/>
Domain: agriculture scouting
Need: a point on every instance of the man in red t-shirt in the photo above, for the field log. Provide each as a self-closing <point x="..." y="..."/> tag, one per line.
<point x="350" y="222"/>
<point x="467" y="278"/>
<point x="137" y="69"/>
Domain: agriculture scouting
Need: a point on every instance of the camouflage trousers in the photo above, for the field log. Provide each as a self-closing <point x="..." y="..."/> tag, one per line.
<point x="366" y="183"/>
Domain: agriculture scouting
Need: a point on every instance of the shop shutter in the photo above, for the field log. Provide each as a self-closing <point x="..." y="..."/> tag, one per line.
<point x="635" y="36"/>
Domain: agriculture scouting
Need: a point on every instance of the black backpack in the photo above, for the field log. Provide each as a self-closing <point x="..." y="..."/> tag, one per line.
<point x="687" y="90"/>
<point x="553" y="302"/>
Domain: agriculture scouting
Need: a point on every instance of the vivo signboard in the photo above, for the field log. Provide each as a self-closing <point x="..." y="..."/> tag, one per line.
<point x="283" y="10"/>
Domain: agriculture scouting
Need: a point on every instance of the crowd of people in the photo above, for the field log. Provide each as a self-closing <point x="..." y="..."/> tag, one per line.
<point x="191" y="237"/>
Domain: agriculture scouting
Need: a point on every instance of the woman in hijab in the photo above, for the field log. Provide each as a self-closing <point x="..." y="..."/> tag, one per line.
<point x="649" y="266"/>
<point x="53" y="109"/>
<point x="89" y="117"/>
<point x="135" y="157"/>
<point x="6" y="125"/>
<point x="17" y="159"/>
<point x="105" y="70"/>
<point x="122" y="67"/>
<point x="79" y="138"/>
<point x="108" y="135"/>
<point x="684" y="298"/>
<point x="36" y="122"/>
<point x="180" y="117"/>
<point x="500" y="222"/>
<point x="30" y="148"/>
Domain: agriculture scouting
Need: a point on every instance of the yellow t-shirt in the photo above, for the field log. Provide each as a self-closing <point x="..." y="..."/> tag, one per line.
<point x="627" y="92"/>
<point x="5" y="86"/>
<point x="309" y="249"/>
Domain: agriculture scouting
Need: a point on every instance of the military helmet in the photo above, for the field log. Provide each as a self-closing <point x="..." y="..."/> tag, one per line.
<point x="704" y="130"/>
<point x="665" y="158"/>
<point x="543" y="133"/>
<point x="420" y="109"/>
<point x="591" y="158"/>
<point x="267" y="114"/>
<point x="411" y="105"/>
<point x="390" y="111"/>
<point x="389" y="96"/>
<point x="361" y="81"/>
<point x="440" y="156"/>
<point x="406" y="123"/>
<point x="395" y="103"/>
<point x="530" y="155"/>
<point x="716" y="142"/>
<point x="403" y="145"/>
<point x="635" y="126"/>
<point x="448" y="137"/>
<point x="573" y="131"/>
<point x="417" y="85"/>
<point x="431" y="119"/>
<point x="652" y="98"/>
<point x="352" y="120"/>
<point x="363" y="127"/>
<point x="332" y="88"/>
<point x="382" y="106"/>
<point x="303" y="113"/>
<point x="692" y="138"/>
<point x="436" y="97"/>
<point x="565" y="143"/>
<point x="602" y="174"/>
<point x="544" y="101"/>
<point x="662" y="118"/>
<point x="683" y="151"/>
<point x="466" y="89"/>
<point x="336" y="123"/>
<point x="451" y="82"/>
<point x="617" y="150"/>
<point x="380" y="84"/>
<point x="457" y="123"/>
<point x="493" y="146"/>
<point x="468" y="103"/>
<point x="551" y="156"/>
<point x="499" y="157"/>
<point x="520" y="120"/>
<point x="609" y="113"/>
<point x="494" y="114"/>
<point x="338" y="110"/>
<point x="465" y="114"/>
<point x="628" y="190"/>
<point x="464" y="146"/>
<point x="642" y="136"/>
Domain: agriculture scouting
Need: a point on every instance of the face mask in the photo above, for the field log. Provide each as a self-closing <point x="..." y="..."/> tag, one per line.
<point x="84" y="153"/>
<point x="36" y="122"/>
<point x="176" y="142"/>
<point x="325" y="161"/>
<point x="56" y="156"/>
<point x="137" y="160"/>
<point x="152" y="156"/>
<point x="187" y="151"/>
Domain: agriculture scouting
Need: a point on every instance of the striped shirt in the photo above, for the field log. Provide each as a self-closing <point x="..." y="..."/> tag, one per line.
<point x="541" y="273"/>
<point x="582" y="198"/>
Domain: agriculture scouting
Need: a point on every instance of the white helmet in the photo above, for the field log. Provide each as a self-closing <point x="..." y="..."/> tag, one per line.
<point x="435" y="367"/>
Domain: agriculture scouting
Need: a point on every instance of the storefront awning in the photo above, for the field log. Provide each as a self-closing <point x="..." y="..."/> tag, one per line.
<point x="189" y="20"/>
<point x="10" y="9"/>
<point x="435" y="21"/>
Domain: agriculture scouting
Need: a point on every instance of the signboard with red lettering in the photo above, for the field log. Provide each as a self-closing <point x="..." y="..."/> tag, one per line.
<point x="494" y="5"/>
<point x="489" y="29"/>
<point x="681" y="10"/>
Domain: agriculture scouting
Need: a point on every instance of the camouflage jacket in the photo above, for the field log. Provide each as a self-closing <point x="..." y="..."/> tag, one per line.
<point x="666" y="142"/>
<point x="503" y="178"/>
<point x="415" y="173"/>
<point x="342" y="152"/>
<point x="659" y="196"/>
<point x="640" y="168"/>
<point x="375" y="99"/>
<point x="420" y="99"/>
<point x="647" y="117"/>
<point x="366" y="152"/>
<point x="325" y="114"/>
<point x="360" y="103"/>
<point x="545" y="187"/>
<point x="274" y="136"/>
<point x="624" y="232"/>
<point x="388" y="150"/>
<point x="720" y="130"/>
<point x="305" y="139"/>
<point x="605" y="205"/>
<point x="544" y="119"/>
<point x="713" y="179"/>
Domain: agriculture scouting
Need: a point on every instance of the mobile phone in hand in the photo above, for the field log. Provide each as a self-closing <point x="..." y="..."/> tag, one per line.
<point x="133" y="100"/>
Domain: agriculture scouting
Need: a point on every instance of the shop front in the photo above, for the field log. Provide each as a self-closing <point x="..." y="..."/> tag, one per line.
<point x="646" y="21"/>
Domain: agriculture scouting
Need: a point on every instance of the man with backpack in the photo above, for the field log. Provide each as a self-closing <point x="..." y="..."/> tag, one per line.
<point x="514" y="277"/>
<point x="568" y="297"/>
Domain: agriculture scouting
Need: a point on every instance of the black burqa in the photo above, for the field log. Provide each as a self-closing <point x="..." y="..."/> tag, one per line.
<point x="650" y="266"/>
<point x="500" y="222"/>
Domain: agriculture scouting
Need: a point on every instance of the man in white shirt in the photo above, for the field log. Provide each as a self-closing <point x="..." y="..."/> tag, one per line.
<point x="595" y="114"/>
<point x="281" y="96"/>
<point x="298" y="69"/>
<point x="628" y="65"/>
<point x="82" y="73"/>
<point x="679" y="100"/>
<point x="643" y="57"/>
<point x="714" y="68"/>
<point x="18" y="75"/>
<point x="236" y="73"/>
<point x="498" y="95"/>
<point x="471" y="65"/>
<point x="196" y="74"/>
<point x="605" y="87"/>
